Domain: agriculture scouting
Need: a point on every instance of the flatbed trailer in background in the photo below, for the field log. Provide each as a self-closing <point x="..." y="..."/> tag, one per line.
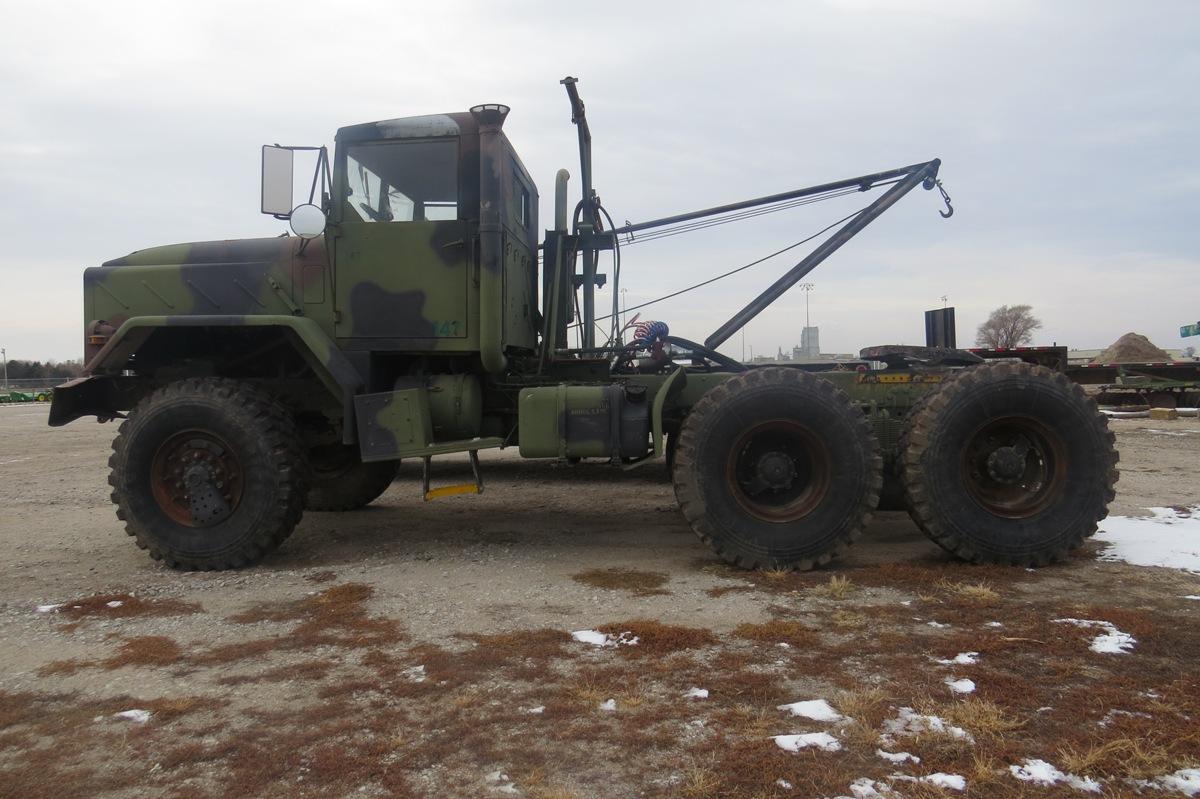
<point x="1159" y="384"/>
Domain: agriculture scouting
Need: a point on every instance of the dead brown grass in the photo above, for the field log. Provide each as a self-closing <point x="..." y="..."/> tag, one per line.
<point x="980" y="717"/>
<point x="336" y="616"/>
<point x="780" y="631"/>
<point x="308" y="670"/>
<point x="638" y="583"/>
<point x="127" y="606"/>
<point x="721" y="590"/>
<point x="656" y="638"/>
<point x="838" y="587"/>
<point x="978" y="592"/>
<point x="146" y="650"/>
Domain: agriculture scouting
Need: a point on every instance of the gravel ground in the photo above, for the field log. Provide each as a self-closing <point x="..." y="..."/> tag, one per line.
<point x="509" y="560"/>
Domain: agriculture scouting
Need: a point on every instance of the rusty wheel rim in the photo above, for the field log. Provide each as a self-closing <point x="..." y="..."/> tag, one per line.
<point x="196" y="478"/>
<point x="1014" y="466"/>
<point x="779" y="470"/>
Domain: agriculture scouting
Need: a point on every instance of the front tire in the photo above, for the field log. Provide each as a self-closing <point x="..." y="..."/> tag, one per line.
<point x="207" y="474"/>
<point x="1009" y="463"/>
<point x="777" y="469"/>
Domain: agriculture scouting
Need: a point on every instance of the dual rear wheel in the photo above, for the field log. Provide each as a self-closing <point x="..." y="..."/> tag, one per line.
<point x="777" y="469"/>
<point x="1002" y="463"/>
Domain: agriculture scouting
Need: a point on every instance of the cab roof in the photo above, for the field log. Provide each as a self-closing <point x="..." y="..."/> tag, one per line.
<point x="422" y="127"/>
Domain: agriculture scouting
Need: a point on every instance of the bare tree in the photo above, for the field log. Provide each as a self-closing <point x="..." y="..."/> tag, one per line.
<point x="1008" y="326"/>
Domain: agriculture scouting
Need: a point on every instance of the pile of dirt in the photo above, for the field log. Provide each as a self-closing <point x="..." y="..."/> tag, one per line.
<point x="1132" y="348"/>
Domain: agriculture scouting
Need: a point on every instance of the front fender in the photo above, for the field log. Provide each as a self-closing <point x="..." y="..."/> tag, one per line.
<point x="330" y="366"/>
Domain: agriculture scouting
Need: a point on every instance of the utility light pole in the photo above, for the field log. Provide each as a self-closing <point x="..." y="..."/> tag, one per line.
<point x="4" y="356"/>
<point x="807" y="289"/>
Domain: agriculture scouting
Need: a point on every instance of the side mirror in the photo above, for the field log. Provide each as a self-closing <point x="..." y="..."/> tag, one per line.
<point x="277" y="165"/>
<point x="307" y="221"/>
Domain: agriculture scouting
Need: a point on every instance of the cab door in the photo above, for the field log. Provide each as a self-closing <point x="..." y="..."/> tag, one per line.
<point x="402" y="255"/>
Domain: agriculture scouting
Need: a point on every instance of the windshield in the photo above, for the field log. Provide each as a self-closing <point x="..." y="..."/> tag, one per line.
<point x="402" y="181"/>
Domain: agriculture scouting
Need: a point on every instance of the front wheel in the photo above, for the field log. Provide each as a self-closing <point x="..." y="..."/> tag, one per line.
<point x="776" y="468"/>
<point x="1008" y="463"/>
<point x="207" y="474"/>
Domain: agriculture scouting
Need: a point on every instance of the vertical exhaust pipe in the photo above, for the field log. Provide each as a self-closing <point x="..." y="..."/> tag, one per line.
<point x="560" y="200"/>
<point x="490" y="119"/>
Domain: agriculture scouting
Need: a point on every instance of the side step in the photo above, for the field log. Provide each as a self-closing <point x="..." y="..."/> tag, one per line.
<point x="431" y="494"/>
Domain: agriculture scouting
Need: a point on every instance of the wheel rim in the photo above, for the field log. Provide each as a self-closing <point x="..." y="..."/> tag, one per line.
<point x="1014" y="466"/>
<point x="779" y="470"/>
<point x="196" y="478"/>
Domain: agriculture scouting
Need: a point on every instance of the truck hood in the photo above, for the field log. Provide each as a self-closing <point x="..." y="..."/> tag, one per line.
<point x="231" y="251"/>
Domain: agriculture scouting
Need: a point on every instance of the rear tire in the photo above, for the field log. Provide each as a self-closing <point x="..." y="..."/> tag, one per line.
<point x="777" y="469"/>
<point x="1009" y="463"/>
<point x="341" y="482"/>
<point x="207" y="474"/>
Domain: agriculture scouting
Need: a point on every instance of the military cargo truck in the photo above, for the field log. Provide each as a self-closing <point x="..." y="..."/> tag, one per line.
<point x="419" y="312"/>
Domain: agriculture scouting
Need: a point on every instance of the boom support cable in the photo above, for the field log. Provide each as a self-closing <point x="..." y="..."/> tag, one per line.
<point x="723" y="275"/>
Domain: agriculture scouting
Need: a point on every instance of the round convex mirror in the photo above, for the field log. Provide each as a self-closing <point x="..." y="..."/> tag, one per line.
<point x="308" y="221"/>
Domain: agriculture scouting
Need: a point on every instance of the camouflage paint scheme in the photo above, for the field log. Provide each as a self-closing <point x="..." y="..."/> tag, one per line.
<point x="412" y="338"/>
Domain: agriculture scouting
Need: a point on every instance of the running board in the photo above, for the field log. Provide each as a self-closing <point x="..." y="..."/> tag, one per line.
<point x="431" y="494"/>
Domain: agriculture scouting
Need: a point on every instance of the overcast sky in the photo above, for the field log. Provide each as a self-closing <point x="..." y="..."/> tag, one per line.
<point x="1068" y="133"/>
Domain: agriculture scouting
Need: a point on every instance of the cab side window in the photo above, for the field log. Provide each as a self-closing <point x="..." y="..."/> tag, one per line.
<point x="520" y="202"/>
<point x="402" y="181"/>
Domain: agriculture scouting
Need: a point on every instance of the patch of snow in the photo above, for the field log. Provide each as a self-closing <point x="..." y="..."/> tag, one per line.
<point x="787" y="786"/>
<point x="536" y="711"/>
<point x="961" y="659"/>
<point x="906" y="602"/>
<point x="593" y="637"/>
<point x="897" y="757"/>
<point x="815" y="709"/>
<point x="608" y="704"/>
<point x="137" y="715"/>
<point x="697" y="693"/>
<point x="909" y="722"/>
<point x="1154" y="432"/>
<point x="794" y="743"/>
<point x="501" y="782"/>
<point x="937" y="624"/>
<point x="1187" y="596"/>
<point x="1045" y="709"/>
<point x="414" y="673"/>
<point x="1110" y="642"/>
<point x="1112" y="714"/>
<point x="963" y="686"/>
<point x="1186" y="781"/>
<point x="599" y="639"/>
<point x="49" y="608"/>
<point x="994" y="624"/>
<point x="867" y="788"/>
<point x="1039" y="772"/>
<point x="116" y="603"/>
<point x="1169" y="538"/>
<point x="785" y="645"/>
<point x="955" y="782"/>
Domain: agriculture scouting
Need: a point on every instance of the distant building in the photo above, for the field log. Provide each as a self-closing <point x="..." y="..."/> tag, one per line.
<point x="810" y="342"/>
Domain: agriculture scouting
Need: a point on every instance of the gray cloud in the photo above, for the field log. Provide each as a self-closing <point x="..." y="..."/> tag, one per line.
<point x="1067" y="129"/>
